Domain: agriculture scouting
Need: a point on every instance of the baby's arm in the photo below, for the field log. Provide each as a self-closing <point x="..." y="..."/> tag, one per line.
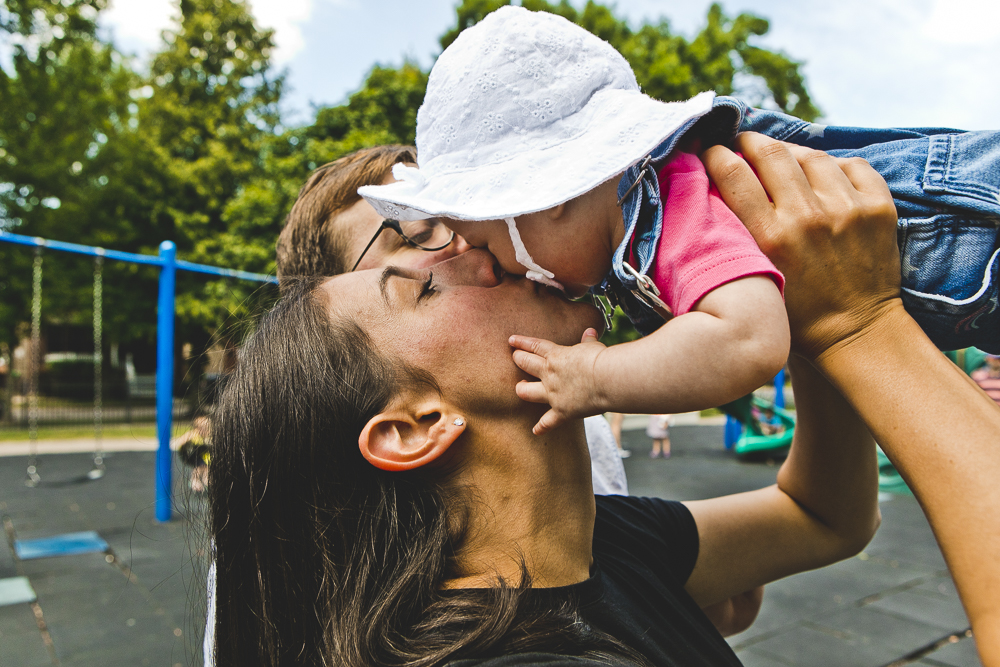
<point x="733" y="341"/>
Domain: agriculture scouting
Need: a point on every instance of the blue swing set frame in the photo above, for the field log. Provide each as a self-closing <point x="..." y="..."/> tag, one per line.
<point x="169" y="265"/>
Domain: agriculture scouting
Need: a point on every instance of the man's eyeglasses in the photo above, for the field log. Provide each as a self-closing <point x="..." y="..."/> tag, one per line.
<point x="429" y="235"/>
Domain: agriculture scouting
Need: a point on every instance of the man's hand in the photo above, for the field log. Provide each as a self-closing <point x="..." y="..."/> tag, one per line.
<point x="566" y="377"/>
<point x="828" y="224"/>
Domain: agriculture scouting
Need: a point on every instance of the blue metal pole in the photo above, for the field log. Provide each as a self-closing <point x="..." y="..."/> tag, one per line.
<point x="734" y="429"/>
<point x="165" y="379"/>
<point x="779" y="389"/>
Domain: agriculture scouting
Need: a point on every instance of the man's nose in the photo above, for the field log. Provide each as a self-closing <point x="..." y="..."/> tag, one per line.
<point x="459" y="245"/>
<point x="476" y="267"/>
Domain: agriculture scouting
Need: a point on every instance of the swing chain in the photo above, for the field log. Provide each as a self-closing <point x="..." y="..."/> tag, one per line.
<point x="98" y="362"/>
<point x="33" y="477"/>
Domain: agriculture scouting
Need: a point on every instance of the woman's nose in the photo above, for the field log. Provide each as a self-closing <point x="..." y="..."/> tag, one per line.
<point x="475" y="267"/>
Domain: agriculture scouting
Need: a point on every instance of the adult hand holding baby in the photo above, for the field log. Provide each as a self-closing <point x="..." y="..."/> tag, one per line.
<point x="830" y="228"/>
<point x="827" y="224"/>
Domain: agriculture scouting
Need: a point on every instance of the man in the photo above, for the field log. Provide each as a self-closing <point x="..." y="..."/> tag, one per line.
<point x="331" y="230"/>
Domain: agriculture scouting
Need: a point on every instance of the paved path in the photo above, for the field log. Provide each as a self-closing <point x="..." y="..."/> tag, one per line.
<point x="894" y="605"/>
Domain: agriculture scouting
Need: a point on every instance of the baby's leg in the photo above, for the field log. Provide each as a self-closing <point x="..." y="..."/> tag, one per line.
<point x="947" y="193"/>
<point x="946" y="186"/>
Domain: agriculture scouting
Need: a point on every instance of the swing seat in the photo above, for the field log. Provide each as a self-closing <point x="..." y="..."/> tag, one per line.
<point x="16" y="590"/>
<point x="67" y="544"/>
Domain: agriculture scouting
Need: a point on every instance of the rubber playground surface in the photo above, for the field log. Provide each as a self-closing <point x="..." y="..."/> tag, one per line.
<point x="140" y="600"/>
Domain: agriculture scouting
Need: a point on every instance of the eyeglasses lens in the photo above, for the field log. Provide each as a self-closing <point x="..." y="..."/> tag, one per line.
<point x="426" y="234"/>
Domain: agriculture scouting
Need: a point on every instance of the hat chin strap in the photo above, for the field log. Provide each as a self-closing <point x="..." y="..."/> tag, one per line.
<point x="534" y="272"/>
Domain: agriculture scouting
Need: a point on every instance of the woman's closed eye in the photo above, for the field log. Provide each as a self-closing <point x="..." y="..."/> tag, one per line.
<point x="428" y="288"/>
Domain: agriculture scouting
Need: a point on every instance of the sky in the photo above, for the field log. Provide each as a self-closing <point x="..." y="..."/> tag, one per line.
<point x="878" y="63"/>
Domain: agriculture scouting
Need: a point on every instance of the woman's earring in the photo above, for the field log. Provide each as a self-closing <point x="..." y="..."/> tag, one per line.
<point x="459" y="421"/>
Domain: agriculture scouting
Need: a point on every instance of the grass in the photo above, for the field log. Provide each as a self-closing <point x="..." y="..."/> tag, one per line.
<point x="134" y="430"/>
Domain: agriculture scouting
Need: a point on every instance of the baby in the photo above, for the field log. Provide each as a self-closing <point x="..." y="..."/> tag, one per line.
<point x="534" y="141"/>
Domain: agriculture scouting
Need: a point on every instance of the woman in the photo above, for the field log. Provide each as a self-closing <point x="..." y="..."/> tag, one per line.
<point x="379" y="498"/>
<point x="386" y="502"/>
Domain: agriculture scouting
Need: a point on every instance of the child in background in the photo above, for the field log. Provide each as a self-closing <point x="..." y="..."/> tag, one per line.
<point x="617" y="419"/>
<point x="659" y="430"/>
<point x="534" y="136"/>
<point x="193" y="449"/>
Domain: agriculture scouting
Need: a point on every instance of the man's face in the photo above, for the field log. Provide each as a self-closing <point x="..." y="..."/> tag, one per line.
<point x="360" y="221"/>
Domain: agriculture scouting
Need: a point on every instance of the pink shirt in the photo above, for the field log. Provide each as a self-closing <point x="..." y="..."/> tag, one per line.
<point x="703" y="245"/>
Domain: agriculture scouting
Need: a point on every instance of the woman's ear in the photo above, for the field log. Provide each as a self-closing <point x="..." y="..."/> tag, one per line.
<point x="410" y="434"/>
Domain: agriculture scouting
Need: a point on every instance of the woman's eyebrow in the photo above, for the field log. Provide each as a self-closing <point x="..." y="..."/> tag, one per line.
<point x="383" y="281"/>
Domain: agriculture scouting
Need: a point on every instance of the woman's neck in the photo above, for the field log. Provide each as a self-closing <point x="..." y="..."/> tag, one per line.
<point x="531" y="498"/>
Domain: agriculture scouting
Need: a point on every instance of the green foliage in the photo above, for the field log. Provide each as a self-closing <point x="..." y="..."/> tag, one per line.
<point x="211" y="112"/>
<point x="94" y="150"/>
<point x="67" y="121"/>
<point x="384" y="111"/>
<point x="621" y="330"/>
<point x="133" y="158"/>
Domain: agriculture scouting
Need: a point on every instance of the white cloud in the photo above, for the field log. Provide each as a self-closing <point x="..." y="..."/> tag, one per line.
<point x="964" y="21"/>
<point x="285" y="17"/>
<point x="136" y="24"/>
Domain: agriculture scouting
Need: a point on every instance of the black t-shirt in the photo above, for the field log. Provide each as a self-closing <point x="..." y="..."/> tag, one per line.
<point x="644" y="551"/>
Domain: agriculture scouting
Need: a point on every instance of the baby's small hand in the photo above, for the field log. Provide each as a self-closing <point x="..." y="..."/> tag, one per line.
<point x="566" y="377"/>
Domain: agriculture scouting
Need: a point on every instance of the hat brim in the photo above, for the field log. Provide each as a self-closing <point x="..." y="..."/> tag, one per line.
<point x="625" y="126"/>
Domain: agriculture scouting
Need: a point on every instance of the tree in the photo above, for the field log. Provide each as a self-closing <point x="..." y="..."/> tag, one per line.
<point x="384" y="111"/>
<point x="669" y="67"/>
<point x="95" y="151"/>
<point x="67" y="120"/>
<point x="211" y="112"/>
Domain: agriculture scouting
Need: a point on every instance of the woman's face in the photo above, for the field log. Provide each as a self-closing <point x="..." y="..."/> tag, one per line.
<point x="454" y="319"/>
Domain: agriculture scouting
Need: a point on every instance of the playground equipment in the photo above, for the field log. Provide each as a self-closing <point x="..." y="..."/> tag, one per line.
<point x="743" y="432"/>
<point x="168" y="264"/>
<point x="32" y="475"/>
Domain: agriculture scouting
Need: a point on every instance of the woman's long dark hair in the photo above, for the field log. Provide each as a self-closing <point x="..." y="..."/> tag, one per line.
<point x="322" y="559"/>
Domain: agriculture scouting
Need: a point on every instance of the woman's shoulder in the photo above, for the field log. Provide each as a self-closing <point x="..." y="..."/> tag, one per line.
<point x="641" y="513"/>
<point x="660" y="534"/>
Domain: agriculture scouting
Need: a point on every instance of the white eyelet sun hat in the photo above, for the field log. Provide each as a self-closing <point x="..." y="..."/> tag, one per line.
<point x="525" y="111"/>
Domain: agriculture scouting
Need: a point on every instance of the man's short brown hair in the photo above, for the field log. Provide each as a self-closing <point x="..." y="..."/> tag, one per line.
<point x="311" y="243"/>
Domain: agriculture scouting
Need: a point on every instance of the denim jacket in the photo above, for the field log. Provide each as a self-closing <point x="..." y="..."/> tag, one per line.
<point x="946" y="187"/>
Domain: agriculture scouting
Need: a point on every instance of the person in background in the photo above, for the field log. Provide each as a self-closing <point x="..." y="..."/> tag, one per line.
<point x="194" y="450"/>
<point x="659" y="430"/>
<point x="988" y="377"/>
<point x="616" y="419"/>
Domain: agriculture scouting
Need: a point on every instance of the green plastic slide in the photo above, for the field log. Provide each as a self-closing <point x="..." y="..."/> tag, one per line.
<point x="753" y="440"/>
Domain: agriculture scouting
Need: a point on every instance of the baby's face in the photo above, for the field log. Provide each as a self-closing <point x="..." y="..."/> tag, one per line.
<point x="573" y="249"/>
